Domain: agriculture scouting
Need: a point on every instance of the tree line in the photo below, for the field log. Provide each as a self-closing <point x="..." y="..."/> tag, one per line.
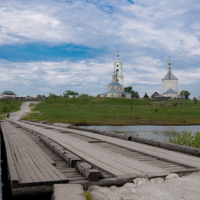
<point x="65" y="94"/>
<point x="128" y="89"/>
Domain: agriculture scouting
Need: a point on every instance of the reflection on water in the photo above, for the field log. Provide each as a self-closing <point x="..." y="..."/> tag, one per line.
<point x="150" y="132"/>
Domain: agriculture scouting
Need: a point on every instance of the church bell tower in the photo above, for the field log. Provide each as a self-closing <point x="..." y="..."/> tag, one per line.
<point x="118" y="71"/>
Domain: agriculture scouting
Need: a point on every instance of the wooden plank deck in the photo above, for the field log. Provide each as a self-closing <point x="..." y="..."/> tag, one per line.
<point x="33" y="168"/>
<point x="109" y="155"/>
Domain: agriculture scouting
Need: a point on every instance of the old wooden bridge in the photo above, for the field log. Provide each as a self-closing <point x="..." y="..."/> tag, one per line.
<point x="40" y="155"/>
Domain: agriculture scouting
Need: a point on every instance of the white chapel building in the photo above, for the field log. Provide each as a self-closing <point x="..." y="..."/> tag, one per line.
<point x="116" y="88"/>
<point x="170" y="84"/>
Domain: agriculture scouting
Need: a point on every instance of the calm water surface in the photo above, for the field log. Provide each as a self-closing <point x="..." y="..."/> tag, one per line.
<point x="150" y="132"/>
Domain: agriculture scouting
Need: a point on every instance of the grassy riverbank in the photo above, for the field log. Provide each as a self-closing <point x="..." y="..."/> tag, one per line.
<point x="114" y="111"/>
<point x="8" y="106"/>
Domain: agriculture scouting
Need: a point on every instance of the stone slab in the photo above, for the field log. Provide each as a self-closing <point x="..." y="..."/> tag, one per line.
<point x="68" y="192"/>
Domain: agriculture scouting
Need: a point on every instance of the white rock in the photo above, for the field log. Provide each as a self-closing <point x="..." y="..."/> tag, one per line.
<point x="126" y="198"/>
<point x="113" y="188"/>
<point x="94" y="188"/>
<point x="170" y="176"/>
<point x="140" y="181"/>
<point x="129" y="185"/>
<point x="103" y="189"/>
<point x="122" y="190"/>
<point x="156" y="180"/>
<point x="133" y="190"/>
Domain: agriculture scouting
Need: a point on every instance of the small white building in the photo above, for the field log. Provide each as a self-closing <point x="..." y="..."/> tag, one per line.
<point x="170" y="84"/>
<point x="23" y="97"/>
<point x="71" y="96"/>
<point x="7" y="95"/>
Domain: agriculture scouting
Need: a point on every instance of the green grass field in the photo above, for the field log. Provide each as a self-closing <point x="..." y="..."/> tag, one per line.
<point x="117" y="111"/>
<point x="8" y="107"/>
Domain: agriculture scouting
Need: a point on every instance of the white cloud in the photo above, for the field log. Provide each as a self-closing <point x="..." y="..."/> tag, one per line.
<point x="168" y="25"/>
<point x="145" y="33"/>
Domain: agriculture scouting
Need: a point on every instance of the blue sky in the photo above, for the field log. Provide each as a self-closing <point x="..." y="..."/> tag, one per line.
<point x="55" y="45"/>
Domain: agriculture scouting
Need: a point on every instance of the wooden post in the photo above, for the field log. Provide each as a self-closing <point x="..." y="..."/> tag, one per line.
<point x="86" y="170"/>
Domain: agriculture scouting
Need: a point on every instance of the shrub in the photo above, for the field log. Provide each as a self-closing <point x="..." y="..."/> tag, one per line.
<point x="195" y="100"/>
<point x="185" y="138"/>
<point x="87" y="195"/>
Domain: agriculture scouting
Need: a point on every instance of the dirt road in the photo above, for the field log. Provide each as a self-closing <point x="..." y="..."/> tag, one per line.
<point x="24" y="110"/>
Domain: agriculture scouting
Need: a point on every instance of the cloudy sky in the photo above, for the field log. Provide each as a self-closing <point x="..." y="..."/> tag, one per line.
<point x="56" y="45"/>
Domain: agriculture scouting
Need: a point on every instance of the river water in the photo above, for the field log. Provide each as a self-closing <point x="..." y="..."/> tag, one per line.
<point x="151" y="132"/>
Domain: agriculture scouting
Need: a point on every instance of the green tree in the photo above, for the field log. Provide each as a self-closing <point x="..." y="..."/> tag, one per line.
<point x="69" y="92"/>
<point x="43" y="96"/>
<point x="186" y="93"/>
<point x="130" y="90"/>
<point x="137" y="95"/>
<point x="83" y="95"/>
<point x="39" y="96"/>
<point x="195" y="100"/>
<point x="146" y="96"/>
<point x="53" y="96"/>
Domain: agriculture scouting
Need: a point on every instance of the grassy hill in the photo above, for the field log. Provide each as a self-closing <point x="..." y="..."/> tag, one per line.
<point x="117" y="111"/>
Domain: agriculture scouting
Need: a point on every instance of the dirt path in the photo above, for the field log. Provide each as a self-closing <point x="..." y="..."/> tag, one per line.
<point x="24" y="110"/>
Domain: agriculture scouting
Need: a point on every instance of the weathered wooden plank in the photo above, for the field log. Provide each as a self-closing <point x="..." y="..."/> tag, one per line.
<point x="25" y="143"/>
<point x="26" y="159"/>
<point x="18" y="167"/>
<point x="44" y="166"/>
<point x="76" y="178"/>
<point x="23" y="168"/>
<point x="29" y="167"/>
<point x="67" y="170"/>
<point x="28" y="141"/>
<point x="14" y="177"/>
<point x="39" y="163"/>
<point x="35" y="169"/>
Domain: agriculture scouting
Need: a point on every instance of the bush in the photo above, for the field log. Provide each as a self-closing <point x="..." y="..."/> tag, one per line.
<point x="87" y="195"/>
<point x="83" y="95"/>
<point x="186" y="138"/>
<point x="195" y="100"/>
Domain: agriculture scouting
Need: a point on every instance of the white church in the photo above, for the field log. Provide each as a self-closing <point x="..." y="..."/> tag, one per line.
<point x="116" y="88"/>
<point x="169" y="86"/>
